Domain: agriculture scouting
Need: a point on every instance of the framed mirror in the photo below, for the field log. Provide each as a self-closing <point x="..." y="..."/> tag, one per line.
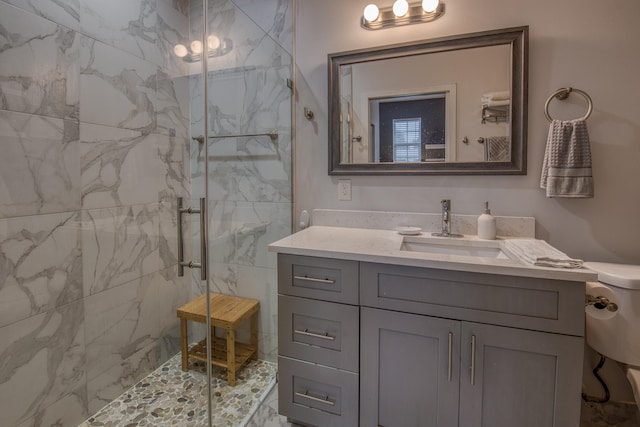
<point x="453" y="105"/>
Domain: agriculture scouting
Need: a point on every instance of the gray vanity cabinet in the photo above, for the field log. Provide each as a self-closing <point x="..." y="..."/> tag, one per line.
<point x="367" y="344"/>
<point x="318" y="340"/>
<point x="410" y="369"/>
<point x="424" y="371"/>
<point x="513" y="377"/>
<point x="448" y="353"/>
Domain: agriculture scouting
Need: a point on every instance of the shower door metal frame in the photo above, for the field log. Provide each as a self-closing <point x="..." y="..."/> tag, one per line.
<point x="203" y="230"/>
<point x="202" y="211"/>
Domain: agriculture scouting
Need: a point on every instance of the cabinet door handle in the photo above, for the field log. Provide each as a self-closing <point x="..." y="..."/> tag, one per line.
<point x="324" y="400"/>
<point x="313" y="279"/>
<point x="450" y="358"/>
<point x="324" y="336"/>
<point x="473" y="359"/>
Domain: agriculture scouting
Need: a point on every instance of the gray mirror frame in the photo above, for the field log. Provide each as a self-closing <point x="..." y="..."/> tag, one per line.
<point x="517" y="37"/>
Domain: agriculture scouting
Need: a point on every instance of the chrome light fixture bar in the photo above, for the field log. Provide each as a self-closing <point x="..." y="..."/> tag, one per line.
<point x="401" y="13"/>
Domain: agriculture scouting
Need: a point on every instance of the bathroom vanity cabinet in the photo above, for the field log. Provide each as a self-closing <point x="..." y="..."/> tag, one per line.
<point x="375" y="344"/>
<point x="318" y="340"/>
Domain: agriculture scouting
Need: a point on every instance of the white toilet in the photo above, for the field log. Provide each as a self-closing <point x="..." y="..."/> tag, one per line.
<point x="613" y="329"/>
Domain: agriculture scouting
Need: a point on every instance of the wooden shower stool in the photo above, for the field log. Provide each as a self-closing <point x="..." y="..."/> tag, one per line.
<point x="227" y="312"/>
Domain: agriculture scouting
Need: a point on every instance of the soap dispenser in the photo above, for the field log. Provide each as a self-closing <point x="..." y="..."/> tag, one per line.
<point x="486" y="224"/>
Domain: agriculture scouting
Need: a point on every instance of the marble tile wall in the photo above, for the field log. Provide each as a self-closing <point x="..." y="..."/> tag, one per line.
<point x="96" y="114"/>
<point x="94" y="133"/>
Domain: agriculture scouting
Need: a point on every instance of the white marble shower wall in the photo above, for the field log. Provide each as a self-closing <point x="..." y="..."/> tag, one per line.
<point x="94" y="133"/>
<point x="250" y="196"/>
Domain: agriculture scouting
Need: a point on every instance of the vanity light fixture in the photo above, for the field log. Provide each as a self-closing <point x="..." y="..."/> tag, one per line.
<point x="215" y="47"/>
<point x="401" y="13"/>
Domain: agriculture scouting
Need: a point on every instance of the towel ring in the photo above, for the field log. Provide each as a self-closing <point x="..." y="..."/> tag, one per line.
<point x="562" y="94"/>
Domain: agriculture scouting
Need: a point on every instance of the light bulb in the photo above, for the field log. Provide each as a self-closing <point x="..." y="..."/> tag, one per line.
<point x="371" y="12"/>
<point x="430" y="5"/>
<point x="196" y="46"/>
<point x="180" y="50"/>
<point x="213" y="42"/>
<point x="400" y="8"/>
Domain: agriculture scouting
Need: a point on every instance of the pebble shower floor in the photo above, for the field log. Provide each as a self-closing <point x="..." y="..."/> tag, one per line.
<point x="171" y="397"/>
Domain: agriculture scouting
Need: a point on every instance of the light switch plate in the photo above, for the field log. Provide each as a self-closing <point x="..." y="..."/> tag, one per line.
<point x="344" y="189"/>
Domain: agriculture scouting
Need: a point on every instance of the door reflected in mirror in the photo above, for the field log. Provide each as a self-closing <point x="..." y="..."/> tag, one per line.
<point x="406" y="129"/>
<point x="454" y="105"/>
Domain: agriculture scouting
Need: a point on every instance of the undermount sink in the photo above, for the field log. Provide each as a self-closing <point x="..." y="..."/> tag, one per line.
<point x="474" y="248"/>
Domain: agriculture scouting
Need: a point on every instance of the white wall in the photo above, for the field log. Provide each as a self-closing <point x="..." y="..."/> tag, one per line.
<point x="578" y="43"/>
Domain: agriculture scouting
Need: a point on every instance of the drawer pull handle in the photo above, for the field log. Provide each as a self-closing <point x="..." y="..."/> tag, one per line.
<point x="313" y="279"/>
<point x="324" y="400"/>
<point x="306" y="332"/>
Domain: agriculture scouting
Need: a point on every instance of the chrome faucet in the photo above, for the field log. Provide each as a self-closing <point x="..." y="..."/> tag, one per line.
<point x="446" y="220"/>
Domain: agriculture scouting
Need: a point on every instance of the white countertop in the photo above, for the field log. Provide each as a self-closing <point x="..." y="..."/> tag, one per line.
<point x="383" y="246"/>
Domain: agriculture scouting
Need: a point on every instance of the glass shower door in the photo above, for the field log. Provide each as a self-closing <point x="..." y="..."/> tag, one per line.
<point x="240" y="180"/>
<point x="248" y="171"/>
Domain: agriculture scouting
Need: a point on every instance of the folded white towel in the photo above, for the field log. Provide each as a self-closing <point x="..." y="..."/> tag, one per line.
<point x="496" y="96"/>
<point x="566" y="169"/>
<point x="539" y="252"/>
<point x="498" y="103"/>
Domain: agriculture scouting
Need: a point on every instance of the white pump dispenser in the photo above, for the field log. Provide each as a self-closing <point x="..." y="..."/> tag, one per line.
<point x="486" y="224"/>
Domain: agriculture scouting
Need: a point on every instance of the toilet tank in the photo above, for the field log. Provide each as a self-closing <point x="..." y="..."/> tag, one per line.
<point x="615" y="334"/>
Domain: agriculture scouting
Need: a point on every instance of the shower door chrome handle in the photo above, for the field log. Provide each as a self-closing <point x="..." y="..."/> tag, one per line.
<point x="202" y="265"/>
<point x="180" y="243"/>
<point x="203" y="239"/>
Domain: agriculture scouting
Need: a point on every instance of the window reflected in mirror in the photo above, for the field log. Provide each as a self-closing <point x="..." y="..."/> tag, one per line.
<point x="411" y="130"/>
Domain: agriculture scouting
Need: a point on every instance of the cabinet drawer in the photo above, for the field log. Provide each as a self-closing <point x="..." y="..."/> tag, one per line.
<point x="326" y="279"/>
<point x="319" y="332"/>
<point x="317" y="395"/>
<point x="521" y="302"/>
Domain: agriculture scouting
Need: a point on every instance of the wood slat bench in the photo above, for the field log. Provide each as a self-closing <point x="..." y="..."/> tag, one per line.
<point x="227" y="312"/>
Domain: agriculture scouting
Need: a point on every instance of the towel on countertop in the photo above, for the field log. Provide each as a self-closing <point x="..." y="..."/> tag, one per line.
<point x="539" y="252"/>
<point x="566" y="169"/>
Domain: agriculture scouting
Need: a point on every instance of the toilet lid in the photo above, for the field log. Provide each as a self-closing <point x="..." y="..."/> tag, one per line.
<point x="620" y="275"/>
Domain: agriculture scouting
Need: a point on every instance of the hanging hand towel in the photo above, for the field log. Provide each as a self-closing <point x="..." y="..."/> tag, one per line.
<point x="566" y="170"/>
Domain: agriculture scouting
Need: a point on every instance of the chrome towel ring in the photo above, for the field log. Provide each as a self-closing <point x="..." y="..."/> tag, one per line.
<point x="562" y="94"/>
